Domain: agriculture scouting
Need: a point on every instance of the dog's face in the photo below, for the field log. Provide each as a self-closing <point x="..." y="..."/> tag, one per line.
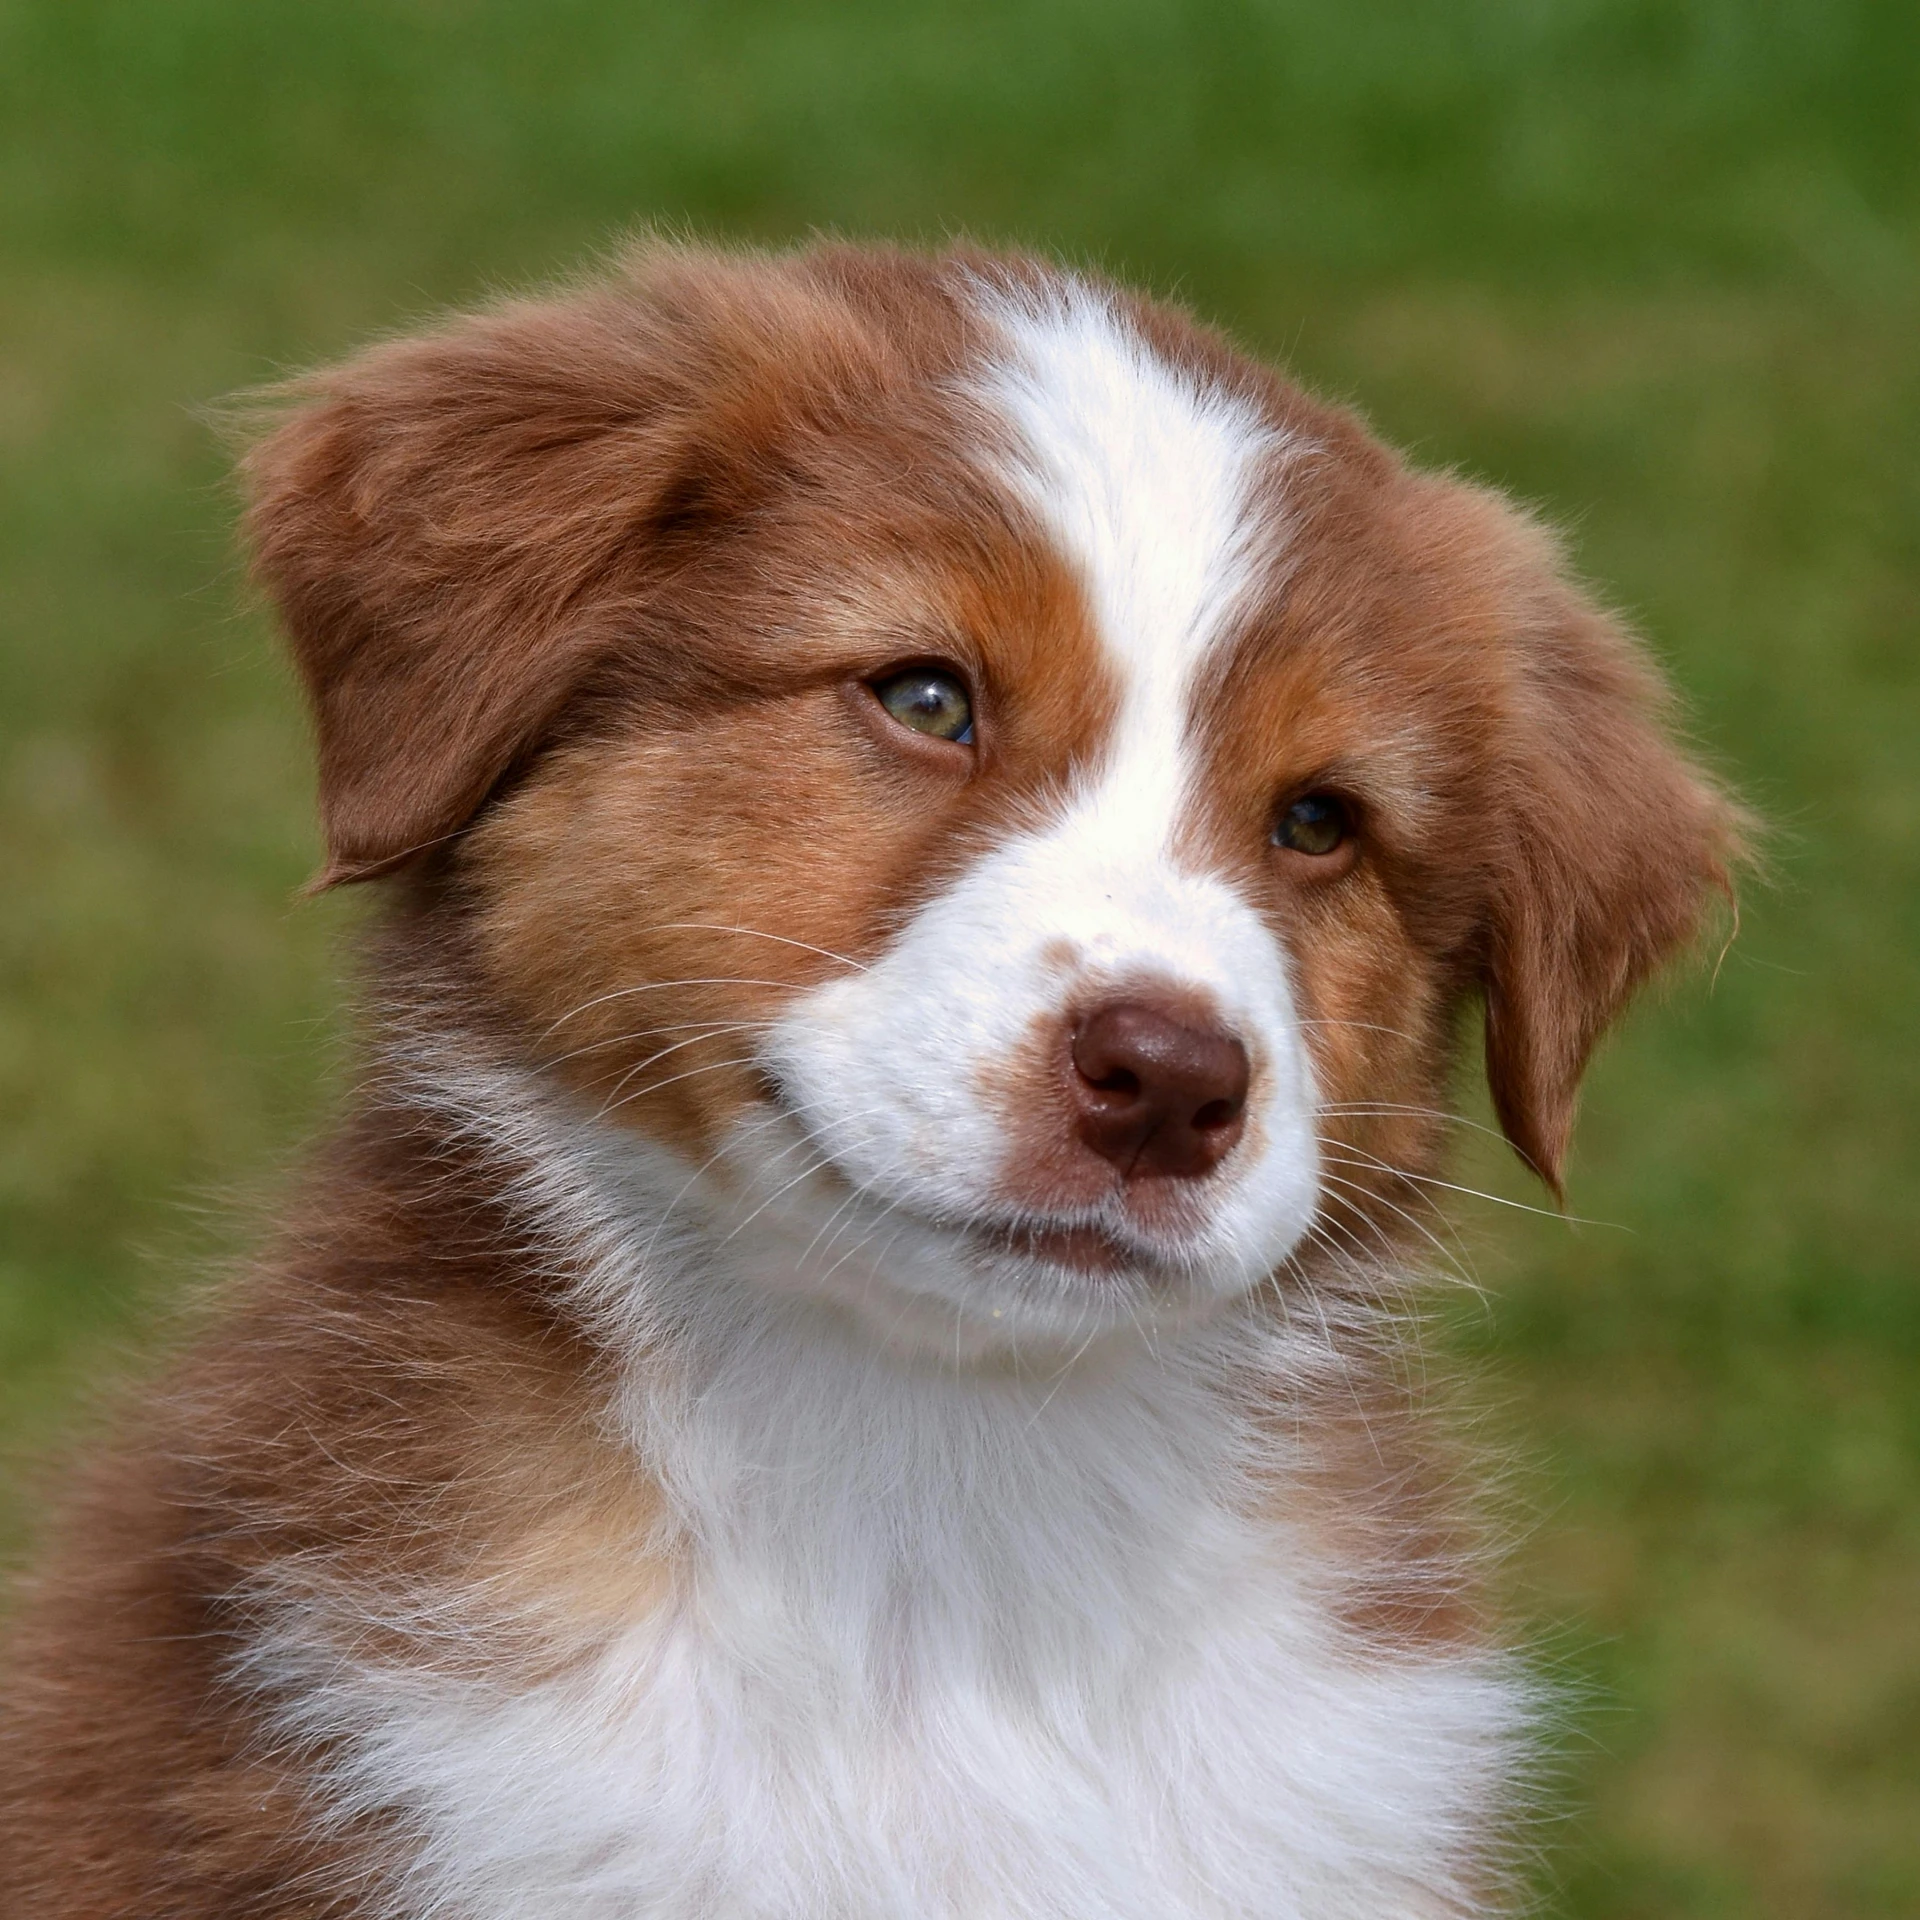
<point x="1010" y="796"/>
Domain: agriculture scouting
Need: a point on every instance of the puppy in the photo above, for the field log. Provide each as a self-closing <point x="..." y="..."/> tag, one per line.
<point x="938" y="828"/>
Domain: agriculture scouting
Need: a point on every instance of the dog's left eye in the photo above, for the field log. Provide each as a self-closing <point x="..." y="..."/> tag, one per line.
<point x="1316" y="824"/>
<point x="929" y="701"/>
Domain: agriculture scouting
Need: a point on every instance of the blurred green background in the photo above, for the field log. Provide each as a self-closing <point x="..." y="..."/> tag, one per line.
<point x="1653" y="264"/>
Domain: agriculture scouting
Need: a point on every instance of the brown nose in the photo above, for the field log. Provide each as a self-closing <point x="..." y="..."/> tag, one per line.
<point x="1154" y="1092"/>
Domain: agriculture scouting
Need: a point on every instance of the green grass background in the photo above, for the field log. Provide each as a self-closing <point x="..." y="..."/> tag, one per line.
<point x="1653" y="264"/>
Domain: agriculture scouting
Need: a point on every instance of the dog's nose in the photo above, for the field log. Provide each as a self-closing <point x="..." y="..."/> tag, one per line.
<point x="1155" y="1092"/>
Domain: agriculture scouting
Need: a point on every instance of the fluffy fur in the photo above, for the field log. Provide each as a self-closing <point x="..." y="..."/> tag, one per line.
<point x="719" y="1436"/>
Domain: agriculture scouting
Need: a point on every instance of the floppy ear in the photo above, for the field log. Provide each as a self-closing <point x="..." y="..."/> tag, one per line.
<point x="456" y="527"/>
<point x="439" y="521"/>
<point x="1615" y="846"/>
<point x="429" y="519"/>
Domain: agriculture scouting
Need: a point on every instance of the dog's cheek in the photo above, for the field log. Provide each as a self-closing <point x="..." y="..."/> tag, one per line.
<point x="648" y="906"/>
<point x="1375" y="1023"/>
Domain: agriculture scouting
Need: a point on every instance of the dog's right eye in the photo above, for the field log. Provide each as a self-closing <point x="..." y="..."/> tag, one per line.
<point x="930" y="701"/>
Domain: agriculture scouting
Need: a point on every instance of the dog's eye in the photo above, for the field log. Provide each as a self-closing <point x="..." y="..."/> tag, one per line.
<point x="1317" y="824"/>
<point x="929" y="701"/>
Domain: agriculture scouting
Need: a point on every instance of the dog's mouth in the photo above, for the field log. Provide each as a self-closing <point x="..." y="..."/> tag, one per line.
<point x="1091" y="1250"/>
<point x="1101" y="1250"/>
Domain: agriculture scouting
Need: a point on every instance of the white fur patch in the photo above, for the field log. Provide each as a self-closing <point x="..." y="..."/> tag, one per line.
<point x="944" y="1642"/>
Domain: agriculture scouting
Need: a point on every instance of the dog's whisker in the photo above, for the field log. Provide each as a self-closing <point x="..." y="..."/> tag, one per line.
<point x="1389" y="1109"/>
<point x="616" y="1100"/>
<point x="662" y="986"/>
<point x="761" y="933"/>
<point x="1473" y="1193"/>
<point x="822" y="1160"/>
<point x="854" y="1196"/>
<point x="1361" y="1264"/>
<point x="1367" y="1164"/>
<point x="652" y="1060"/>
<point x="700" y="1029"/>
<point x="1364" y="1026"/>
<point x="1364" y="1195"/>
<point x="1066" y="1367"/>
<point x="887" y="1211"/>
<point x="1356" y="1220"/>
<point x="750" y="1129"/>
<point x="737" y="1134"/>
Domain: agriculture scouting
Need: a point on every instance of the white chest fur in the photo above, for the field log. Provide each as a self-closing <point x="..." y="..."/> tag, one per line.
<point x="939" y="1642"/>
<point x="963" y="1658"/>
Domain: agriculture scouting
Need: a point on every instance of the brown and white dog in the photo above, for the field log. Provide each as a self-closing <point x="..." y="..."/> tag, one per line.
<point x="939" y="826"/>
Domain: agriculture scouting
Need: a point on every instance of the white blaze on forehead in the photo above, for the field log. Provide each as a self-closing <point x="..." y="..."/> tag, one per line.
<point x="912" y="1076"/>
<point x="1144" y="478"/>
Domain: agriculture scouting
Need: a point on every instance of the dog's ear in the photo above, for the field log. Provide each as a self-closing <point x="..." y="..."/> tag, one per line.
<point x="430" y="519"/>
<point x="1613" y="843"/>
<point x="458" y="526"/>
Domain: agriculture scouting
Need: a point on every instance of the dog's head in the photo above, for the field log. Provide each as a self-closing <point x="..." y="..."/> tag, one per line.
<point x="1013" y="796"/>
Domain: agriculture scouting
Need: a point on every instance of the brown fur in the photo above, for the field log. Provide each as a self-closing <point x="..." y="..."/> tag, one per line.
<point x="389" y="1411"/>
<point x="583" y="592"/>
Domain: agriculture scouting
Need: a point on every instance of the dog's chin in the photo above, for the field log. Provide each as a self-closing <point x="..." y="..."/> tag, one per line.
<point x="968" y="1292"/>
